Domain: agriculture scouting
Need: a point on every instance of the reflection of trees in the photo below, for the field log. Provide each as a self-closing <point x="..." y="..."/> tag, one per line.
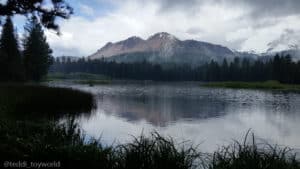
<point x="283" y="103"/>
<point x="160" y="104"/>
<point x="160" y="110"/>
<point x="284" y="107"/>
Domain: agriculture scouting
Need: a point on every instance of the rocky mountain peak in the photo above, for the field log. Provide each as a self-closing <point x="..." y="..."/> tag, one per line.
<point x="162" y="46"/>
<point x="131" y="42"/>
<point x="134" y="39"/>
<point x="107" y="45"/>
<point x="162" y="36"/>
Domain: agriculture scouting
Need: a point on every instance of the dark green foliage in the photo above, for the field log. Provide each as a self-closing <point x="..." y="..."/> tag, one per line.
<point x="10" y="58"/>
<point x="75" y="76"/>
<point x="156" y="152"/>
<point x="279" y="68"/>
<point x="49" y="141"/>
<point x="36" y="58"/>
<point x="253" y="156"/>
<point x="37" y="8"/>
<point x="37" y="53"/>
<point x="27" y="100"/>
<point x="4" y="75"/>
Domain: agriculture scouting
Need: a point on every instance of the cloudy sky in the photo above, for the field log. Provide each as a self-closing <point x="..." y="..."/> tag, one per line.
<point x="243" y="25"/>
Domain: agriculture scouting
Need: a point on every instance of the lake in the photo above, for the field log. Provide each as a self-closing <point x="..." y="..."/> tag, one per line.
<point x="210" y="117"/>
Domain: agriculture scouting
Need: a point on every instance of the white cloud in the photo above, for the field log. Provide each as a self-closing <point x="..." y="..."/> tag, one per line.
<point x="260" y="39"/>
<point x="85" y="9"/>
<point x="219" y="24"/>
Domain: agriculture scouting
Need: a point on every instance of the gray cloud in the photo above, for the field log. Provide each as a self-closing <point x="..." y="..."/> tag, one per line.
<point x="180" y="4"/>
<point x="194" y="30"/>
<point x="263" y="23"/>
<point x="270" y="8"/>
<point x="258" y="8"/>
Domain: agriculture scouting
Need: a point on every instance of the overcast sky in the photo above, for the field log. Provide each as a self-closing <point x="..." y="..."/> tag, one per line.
<point x="238" y="24"/>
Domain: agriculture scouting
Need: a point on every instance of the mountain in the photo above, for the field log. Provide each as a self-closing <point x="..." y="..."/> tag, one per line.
<point x="134" y="44"/>
<point x="166" y="48"/>
<point x="163" y="48"/>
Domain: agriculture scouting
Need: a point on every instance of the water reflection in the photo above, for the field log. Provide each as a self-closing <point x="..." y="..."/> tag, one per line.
<point x="160" y="111"/>
<point x="212" y="117"/>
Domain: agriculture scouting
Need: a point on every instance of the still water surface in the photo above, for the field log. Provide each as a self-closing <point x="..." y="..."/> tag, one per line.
<point x="210" y="117"/>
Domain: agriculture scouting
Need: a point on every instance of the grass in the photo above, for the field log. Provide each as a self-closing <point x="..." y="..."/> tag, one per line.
<point x="157" y="152"/>
<point x="253" y="155"/>
<point x="40" y="141"/>
<point x="78" y="76"/>
<point x="49" y="141"/>
<point x="268" y="85"/>
<point x="18" y="99"/>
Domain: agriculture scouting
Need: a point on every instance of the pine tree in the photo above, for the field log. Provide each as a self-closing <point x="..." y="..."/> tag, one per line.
<point x="37" y="8"/>
<point x="10" y="57"/>
<point x="224" y="71"/>
<point x="3" y="66"/>
<point x="37" y="53"/>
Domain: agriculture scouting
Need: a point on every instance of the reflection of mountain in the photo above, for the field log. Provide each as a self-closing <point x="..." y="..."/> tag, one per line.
<point x="163" y="103"/>
<point x="160" y="111"/>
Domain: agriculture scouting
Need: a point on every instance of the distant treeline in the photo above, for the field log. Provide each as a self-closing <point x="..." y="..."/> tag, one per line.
<point x="280" y="68"/>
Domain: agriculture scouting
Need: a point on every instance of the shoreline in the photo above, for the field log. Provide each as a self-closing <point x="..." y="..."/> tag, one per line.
<point x="266" y="85"/>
